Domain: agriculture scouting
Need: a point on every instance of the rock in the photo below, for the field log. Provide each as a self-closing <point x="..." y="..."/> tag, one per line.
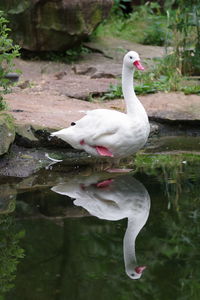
<point x="103" y="75"/>
<point x="45" y="140"/>
<point x="115" y="48"/>
<point x="25" y="136"/>
<point x="60" y="75"/>
<point x="53" y="25"/>
<point x="84" y="70"/>
<point x="30" y="136"/>
<point x="23" y="162"/>
<point x="7" y="198"/>
<point x="24" y="85"/>
<point x="154" y="129"/>
<point x="13" y="77"/>
<point x="7" y="132"/>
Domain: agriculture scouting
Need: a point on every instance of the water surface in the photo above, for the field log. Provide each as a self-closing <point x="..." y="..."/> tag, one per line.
<point x="74" y="239"/>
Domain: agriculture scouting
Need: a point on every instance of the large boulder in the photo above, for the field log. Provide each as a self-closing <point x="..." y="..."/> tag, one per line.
<point x="39" y="25"/>
<point x="7" y="132"/>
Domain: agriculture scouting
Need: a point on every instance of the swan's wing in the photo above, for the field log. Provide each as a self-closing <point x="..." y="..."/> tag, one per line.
<point x="98" y="123"/>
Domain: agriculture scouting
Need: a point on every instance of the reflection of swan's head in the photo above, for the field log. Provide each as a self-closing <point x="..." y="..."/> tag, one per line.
<point x="137" y="273"/>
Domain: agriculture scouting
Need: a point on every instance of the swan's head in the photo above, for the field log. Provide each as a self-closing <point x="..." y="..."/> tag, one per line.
<point x="132" y="59"/>
<point x="137" y="272"/>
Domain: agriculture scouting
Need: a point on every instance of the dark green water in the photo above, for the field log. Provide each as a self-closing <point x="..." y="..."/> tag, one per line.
<point x="68" y="254"/>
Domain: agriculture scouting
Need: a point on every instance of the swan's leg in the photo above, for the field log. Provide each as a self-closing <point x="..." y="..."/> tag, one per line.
<point x="103" y="151"/>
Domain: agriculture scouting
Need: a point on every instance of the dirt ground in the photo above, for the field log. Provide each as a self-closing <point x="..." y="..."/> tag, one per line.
<point x="53" y="94"/>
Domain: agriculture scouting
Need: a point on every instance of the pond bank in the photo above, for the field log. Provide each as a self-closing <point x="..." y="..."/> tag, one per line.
<point x="51" y="95"/>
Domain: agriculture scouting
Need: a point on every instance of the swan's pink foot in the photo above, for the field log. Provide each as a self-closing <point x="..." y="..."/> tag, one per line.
<point x="104" y="183"/>
<point x="118" y="170"/>
<point x="103" y="151"/>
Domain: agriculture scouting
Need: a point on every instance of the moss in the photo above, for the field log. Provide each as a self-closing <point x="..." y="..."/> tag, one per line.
<point x="9" y="206"/>
<point x="96" y="18"/>
<point x="56" y="25"/>
<point x="7" y="119"/>
<point x="51" y="17"/>
<point x="25" y="131"/>
<point x="7" y="132"/>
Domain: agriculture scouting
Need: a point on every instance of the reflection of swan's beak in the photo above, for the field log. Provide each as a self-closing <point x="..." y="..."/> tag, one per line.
<point x="140" y="269"/>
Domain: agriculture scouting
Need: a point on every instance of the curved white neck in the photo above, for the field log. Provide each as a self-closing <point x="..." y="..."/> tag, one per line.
<point x="133" y="228"/>
<point x="133" y="105"/>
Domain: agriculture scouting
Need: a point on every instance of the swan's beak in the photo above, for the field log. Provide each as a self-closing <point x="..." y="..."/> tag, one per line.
<point x="140" y="269"/>
<point x="138" y="65"/>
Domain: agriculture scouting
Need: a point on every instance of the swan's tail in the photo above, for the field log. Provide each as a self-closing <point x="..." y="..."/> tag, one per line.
<point x="66" y="134"/>
<point x="57" y="133"/>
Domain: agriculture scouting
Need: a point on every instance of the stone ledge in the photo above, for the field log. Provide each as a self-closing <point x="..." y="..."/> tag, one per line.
<point x="7" y="132"/>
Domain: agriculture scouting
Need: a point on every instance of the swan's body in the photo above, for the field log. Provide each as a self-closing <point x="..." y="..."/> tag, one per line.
<point x="104" y="132"/>
<point x="114" y="199"/>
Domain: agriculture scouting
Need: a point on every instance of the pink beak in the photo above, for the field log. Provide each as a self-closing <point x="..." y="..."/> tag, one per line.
<point x="139" y="270"/>
<point x="138" y="65"/>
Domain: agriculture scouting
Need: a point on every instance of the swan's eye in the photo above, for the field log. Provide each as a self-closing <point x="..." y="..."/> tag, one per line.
<point x="73" y="123"/>
<point x="131" y="57"/>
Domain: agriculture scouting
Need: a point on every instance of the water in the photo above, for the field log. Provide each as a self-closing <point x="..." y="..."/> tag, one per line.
<point x="58" y="250"/>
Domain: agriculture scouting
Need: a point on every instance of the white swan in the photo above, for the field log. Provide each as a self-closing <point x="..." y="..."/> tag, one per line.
<point x="104" y="132"/>
<point x="113" y="199"/>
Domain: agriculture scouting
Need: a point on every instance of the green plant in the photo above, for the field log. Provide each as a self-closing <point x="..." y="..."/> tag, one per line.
<point x="155" y="34"/>
<point x="72" y="55"/>
<point x="10" y="252"/>
<point x="118" y="6"/>
<point x="115" y="91"/>
<point x="8" y="52"/>
<point x="145" y="25"/>
<point x="185" y="24"/>
<point x="194" y="89"/>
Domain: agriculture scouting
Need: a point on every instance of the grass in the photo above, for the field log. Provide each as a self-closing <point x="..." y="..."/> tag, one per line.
<point x="174" y="171"/>
<point x="154" y="162"/>
<point x="146" y="25"/>
<point x="193" y="89"/>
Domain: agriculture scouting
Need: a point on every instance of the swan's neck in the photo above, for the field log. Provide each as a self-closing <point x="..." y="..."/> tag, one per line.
<point x="132" y="231"/>
<point x="133" y="105"/>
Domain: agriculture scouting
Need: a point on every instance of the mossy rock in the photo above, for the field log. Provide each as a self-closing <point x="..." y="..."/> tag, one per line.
<point x="53" y="25"/>
<point x="7" y="199"/>
<point x="7" y="132"/>
<point x="25" y="136"/>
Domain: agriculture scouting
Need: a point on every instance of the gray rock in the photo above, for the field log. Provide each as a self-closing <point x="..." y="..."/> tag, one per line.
<point x="39" y="25"/>
<point x="7" y="198"/>
<point x="25" y="136"/>
<point x="84" y="70"/>
<point x="7" y="132"/>
<point x="103" y="75"/>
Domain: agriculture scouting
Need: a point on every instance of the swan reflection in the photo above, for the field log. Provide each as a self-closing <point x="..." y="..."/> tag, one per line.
<point x="113" y="199"/>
